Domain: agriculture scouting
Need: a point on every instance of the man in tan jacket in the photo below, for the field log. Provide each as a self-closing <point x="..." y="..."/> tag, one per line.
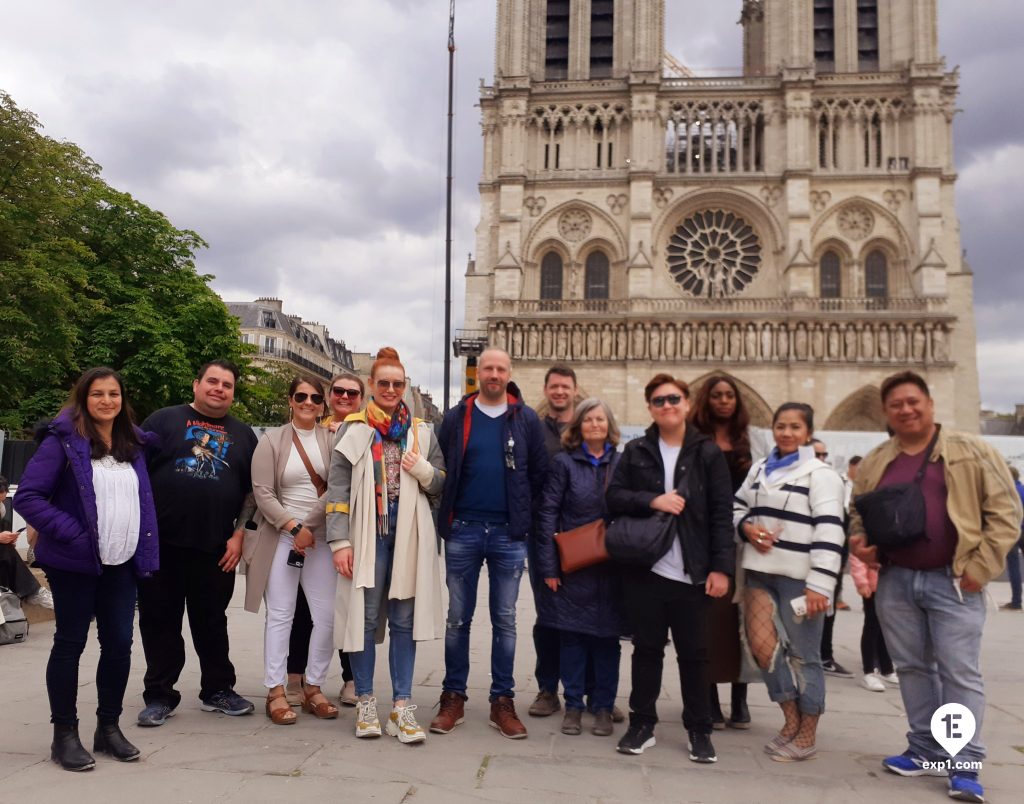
<point x="930" y="598"/>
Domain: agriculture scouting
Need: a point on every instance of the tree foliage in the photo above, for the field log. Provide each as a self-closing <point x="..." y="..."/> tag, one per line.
<point x="90" y="276"/>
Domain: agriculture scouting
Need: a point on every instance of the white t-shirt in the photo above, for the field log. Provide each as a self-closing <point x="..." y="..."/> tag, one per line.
<point x="670" y="565"/>
<point x="298" y="494"/>
<point x="493" y="411"/>
<point x="117" y="509"/>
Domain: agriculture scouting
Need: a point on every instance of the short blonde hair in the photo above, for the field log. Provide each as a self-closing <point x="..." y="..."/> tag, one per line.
<point x="573" y="435"/>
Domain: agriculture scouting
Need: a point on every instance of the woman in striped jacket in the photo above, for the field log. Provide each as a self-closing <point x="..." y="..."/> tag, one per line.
<point x="789" y="515"/>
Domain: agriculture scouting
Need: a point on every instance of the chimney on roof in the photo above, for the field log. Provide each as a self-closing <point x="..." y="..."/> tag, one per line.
<point x="270" y="301"/>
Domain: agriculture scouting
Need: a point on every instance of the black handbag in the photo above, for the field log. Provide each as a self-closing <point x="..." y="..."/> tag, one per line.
<point x="640" y="540"/>
<point x="894" y="516"/>
<point x="643" y="540"/>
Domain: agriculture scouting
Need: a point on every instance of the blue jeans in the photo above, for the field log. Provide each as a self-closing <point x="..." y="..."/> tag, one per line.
<point x="466" y="549"/>
<point x="581" y="653"/>
<point x="1013" y="570"/>
<point x="795" y="672"/>
<point x="933" y="632"/>
<point x="77" y="598"/>
<point x="402" y="650"/>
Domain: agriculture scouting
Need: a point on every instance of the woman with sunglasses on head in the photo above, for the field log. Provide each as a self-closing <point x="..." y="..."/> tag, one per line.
<point x="288" y="548"/>
<point x="344" y="399"/>
<point x="789" y="514"/>
<point x="719" y="412"/>
<point x="677" y="470"/>
<point x="385" y="546"/>
<point x="87" y="493"/>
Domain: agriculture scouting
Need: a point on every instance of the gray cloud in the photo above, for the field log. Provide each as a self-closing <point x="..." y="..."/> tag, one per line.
<point x="305" y="142"/>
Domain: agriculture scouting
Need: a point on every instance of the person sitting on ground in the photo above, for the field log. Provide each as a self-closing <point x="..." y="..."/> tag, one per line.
<point x="14" y="572"/>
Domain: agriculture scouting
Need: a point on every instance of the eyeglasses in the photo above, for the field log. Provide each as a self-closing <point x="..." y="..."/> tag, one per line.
<point x="302" y="396"/>
<point x="821" y="455"/>
<point x="398" y="385"/>
<point x="351" y="393"/>
<point x="671" y="399"/>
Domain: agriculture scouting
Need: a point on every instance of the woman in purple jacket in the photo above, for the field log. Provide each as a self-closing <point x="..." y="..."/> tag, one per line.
<point x="87" y="492"/>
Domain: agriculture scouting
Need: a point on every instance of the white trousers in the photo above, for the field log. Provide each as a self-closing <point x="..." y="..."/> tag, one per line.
<point x="319" y="580"/>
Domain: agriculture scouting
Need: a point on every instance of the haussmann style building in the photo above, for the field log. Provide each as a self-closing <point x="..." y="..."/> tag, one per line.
<point x="794" y="227"/>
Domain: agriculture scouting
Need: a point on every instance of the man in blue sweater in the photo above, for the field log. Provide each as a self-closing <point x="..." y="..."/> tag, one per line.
<point x="493" y="446"/>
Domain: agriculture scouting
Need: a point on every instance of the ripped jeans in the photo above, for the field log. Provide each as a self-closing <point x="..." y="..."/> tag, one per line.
<point x="466" y="549"/>
<point x="788" y="645"/>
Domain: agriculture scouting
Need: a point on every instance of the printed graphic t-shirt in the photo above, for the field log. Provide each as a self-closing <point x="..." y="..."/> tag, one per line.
<point x="200" y="475"/>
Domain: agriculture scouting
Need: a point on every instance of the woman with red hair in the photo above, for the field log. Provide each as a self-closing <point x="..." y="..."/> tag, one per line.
<point x="382" y="533"/>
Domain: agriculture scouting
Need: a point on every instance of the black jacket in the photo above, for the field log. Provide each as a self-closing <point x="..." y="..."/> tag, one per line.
<point x="702" y="477"/>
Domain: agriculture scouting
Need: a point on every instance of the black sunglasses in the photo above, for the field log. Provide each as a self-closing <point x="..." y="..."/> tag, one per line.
<point x="351" y="393"/>
<point x="302" y="396"/>
<point x="671" y="399"/>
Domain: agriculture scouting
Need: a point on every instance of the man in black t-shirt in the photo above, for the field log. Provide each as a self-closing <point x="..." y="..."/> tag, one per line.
<point x="202" y="488"/>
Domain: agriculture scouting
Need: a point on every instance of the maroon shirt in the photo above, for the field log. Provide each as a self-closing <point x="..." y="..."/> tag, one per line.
<point x="936" y="549"/>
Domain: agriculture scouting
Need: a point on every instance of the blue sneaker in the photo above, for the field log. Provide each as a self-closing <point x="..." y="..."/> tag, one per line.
<point x="910" y="764"/>
<point x="155" y="714"/>
<point x="964" y="786"/>
<point x="227" y="701"/>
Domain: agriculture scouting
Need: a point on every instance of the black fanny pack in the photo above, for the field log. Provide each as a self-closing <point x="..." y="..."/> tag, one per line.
<point x="894" y="516"/>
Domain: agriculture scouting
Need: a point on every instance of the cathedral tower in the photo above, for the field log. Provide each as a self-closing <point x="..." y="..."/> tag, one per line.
<point x="794" y="227"/>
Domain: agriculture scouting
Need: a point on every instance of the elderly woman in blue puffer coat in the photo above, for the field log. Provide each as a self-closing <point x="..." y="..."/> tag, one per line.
<point x="584" y="605"/>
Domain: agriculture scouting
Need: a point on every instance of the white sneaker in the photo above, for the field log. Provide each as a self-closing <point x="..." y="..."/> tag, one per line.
<point x="871" y="681"/>
<point x="402" y="724"/>
<point x="367" y="722"/>
<point x="42" y="598"/>
<point x="892" y="679"/>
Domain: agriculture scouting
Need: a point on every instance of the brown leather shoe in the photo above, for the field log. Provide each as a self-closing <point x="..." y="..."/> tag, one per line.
<point x="602" y="723"/>
<point x="545" y="704"/>
<point x="571" y="723"/>
<point x="451" y="712"/>
<point x="617" y="715"/>
<point x="505" y="719"/>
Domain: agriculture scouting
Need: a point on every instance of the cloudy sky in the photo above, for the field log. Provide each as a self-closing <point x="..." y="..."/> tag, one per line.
<point x="305" y="142"/>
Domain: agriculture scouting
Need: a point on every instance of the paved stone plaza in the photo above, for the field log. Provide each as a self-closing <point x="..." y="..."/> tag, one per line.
<point x="201" y="757"/>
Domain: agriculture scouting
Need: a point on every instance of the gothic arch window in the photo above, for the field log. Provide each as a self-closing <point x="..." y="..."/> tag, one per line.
<point x="714" y="253"/>
<point x="556" y="54"/>
<point x="602" y="37"/>
<point x="596" y="277"/>
<point x="876" y="275"/>
<point x="551" y="276"/>
<point x="830" y="284"/>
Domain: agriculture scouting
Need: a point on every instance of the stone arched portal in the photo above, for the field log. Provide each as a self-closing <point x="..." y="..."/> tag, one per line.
<point x="861" y="411"/>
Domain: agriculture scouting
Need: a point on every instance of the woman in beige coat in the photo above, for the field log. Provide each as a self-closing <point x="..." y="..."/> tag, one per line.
<point x="380" y="527"/>
<point x="289" y="471"/>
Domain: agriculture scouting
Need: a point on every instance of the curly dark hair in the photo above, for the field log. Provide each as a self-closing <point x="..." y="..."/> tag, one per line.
<point x="703" y="417"/>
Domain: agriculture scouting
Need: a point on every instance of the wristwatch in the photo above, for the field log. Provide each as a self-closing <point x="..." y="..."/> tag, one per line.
<point x="295" y="531"/>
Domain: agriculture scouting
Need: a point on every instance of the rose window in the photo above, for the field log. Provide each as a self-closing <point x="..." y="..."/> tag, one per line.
<point x="714" y="253"/>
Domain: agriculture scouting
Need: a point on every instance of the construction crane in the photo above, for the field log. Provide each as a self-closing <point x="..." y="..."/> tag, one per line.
<point x="675" y="68"/>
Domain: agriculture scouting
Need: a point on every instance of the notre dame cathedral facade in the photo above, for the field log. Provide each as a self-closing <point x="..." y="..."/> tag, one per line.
<point x="794" y="227"/>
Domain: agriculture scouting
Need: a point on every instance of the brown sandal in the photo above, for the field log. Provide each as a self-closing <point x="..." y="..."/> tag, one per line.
<point x="282" y="715"/>
<point x="323" y="709"/>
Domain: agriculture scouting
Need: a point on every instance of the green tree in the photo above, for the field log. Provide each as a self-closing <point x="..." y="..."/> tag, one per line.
<point x="90" y="276"/>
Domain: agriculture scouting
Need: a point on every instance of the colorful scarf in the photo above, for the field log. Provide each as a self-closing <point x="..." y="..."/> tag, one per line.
<point x="393" y="427"/>
<point x="776" y="460"/>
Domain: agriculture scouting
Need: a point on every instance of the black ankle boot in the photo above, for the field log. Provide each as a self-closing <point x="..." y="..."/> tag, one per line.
<point x="110" y="740"/>
<point x="717" y="718"/>
<point x="67" y="750"/>
<point x="739" y="715"/>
